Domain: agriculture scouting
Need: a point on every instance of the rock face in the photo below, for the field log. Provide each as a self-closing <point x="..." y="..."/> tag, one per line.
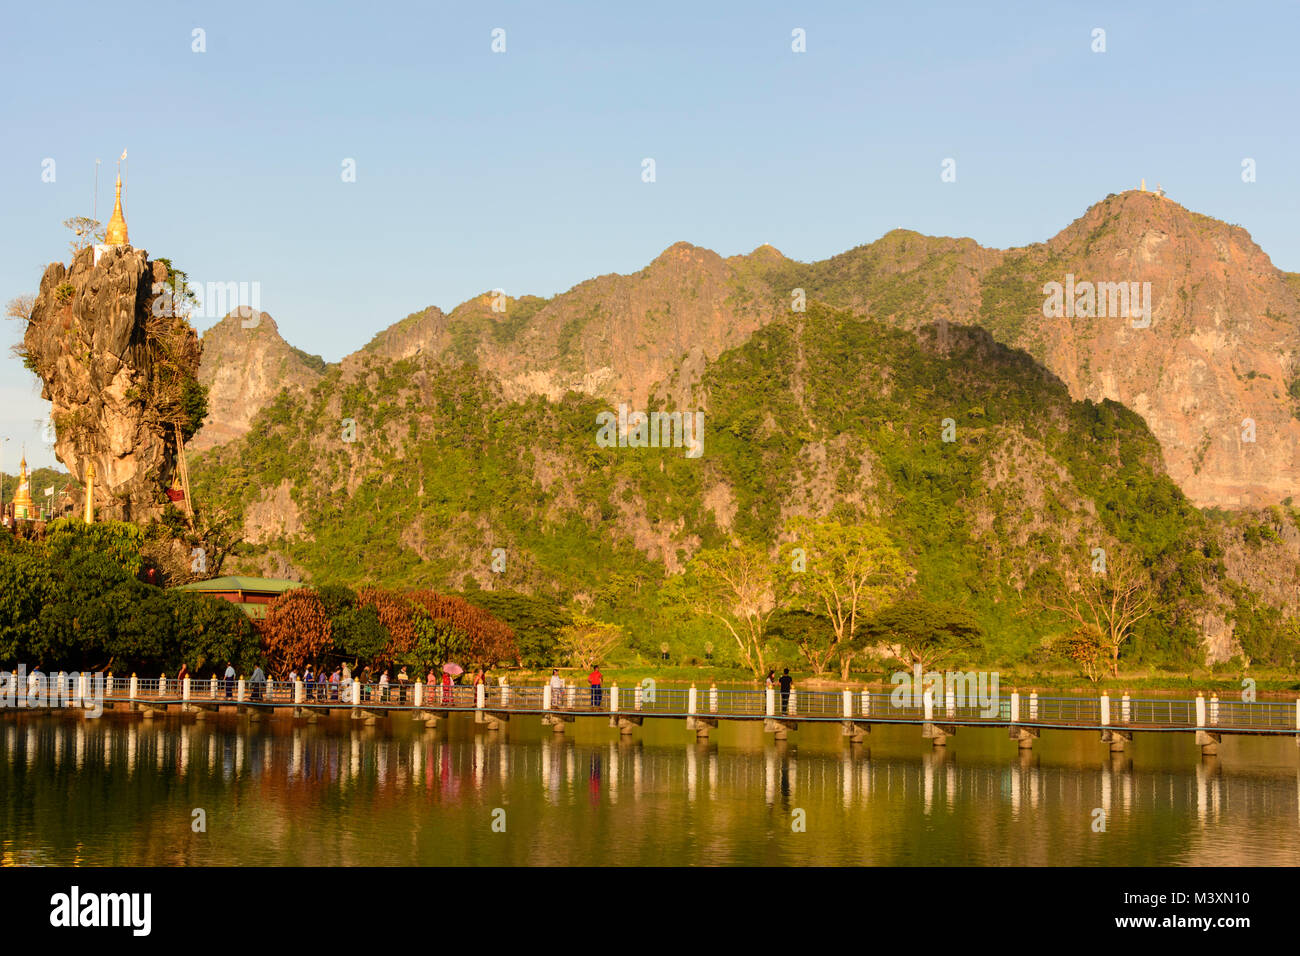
<point x="1212" y="371"/>
<point x="245" y="365"/>
<point x="1215" y="374"/>
<point x="88" y="341"/>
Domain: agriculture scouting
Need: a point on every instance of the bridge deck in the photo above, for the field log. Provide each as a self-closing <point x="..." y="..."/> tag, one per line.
<point x="1031" y="712"/>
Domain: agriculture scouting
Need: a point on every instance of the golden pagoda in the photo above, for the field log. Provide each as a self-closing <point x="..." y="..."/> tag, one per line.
<point x="115" y="234"/>
<point x="24" y="507"/>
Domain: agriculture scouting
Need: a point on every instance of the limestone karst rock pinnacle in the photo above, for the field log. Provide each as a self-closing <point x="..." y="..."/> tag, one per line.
<point x="114" y="373"/>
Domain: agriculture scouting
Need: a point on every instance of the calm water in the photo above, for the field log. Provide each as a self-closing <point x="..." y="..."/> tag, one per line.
<point x="123" y="791"/>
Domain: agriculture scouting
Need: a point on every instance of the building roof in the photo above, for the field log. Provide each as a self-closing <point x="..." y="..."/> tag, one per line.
<point x="240" y="583"/>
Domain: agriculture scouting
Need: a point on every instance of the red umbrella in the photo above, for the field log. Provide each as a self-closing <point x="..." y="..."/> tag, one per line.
<point x="453" y="669"/>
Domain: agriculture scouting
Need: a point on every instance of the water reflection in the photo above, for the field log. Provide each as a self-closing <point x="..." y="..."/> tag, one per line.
<point x="123" y="791"/>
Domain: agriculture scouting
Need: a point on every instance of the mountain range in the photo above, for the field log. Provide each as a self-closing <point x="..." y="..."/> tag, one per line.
<point x="1167" y="423"/>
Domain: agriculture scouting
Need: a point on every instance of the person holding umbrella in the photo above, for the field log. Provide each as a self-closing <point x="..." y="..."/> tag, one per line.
<point x="448" y="670"/>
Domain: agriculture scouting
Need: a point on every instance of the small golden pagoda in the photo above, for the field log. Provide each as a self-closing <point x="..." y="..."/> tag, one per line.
<point x="24" y="507"/>
<point x="115" y="234"/>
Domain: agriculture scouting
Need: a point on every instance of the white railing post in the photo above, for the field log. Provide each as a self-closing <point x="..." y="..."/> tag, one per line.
<point x="713" y="698"/>
<point x="1105" y="710"/>
<point x="1200" y="709"/>
<point x="1125" y="709"/>
<point x="135" y="687"/>
<point x="927" y="703"/>
<point x="546" y="696"/>
<point x="1033" y="705"/>
<point x="83" y="688"/>
<point x="1214" y="710"/>
<point x="771" y="702"/>
<point x="1015" y="707"/>
<point x="108" y="685"/>
<point x="505" y="692"/>
<point x="793" y="708"/>
<point x="480" y="696"/>
<point x="185" y="689"/>
<point x="613" y="699"/>
<point x="212" y="688"/>
<point x="692" y="699"/>
<point x="299" y="692"/>
<point x="950" y="702"/>
<point x="1297" y="714"/>
<point x="417" y="694"/>
<point x="573" y="695"/>
<point x="636" y="698"/>
<point x="866" y="703"/>
<point x="847" y="703"/>
<point x="239" y="691"/>
<point x="356" y="693"/>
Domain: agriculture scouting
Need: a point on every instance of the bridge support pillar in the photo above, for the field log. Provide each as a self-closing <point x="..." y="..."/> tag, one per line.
<point x="938" y="734"/>
<point x="779" y="729"/>
<point x="625" y="724"/>
<point x="855" y="730"/>
<point x="1024" y="736"/>
<point x="1208" y="742"/>
<point x="557" y="722"/>
<point x="701" y="725"/>
<point x="1116" y="738"/>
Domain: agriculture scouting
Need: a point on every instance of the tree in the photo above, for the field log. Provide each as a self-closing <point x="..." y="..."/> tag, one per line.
<point x="119" y="541"/>
<point x="806" y="630"/>
<point x="27" y="584"/>
<point x="210" y="631"/>
<point x="1109" y="602"/>
<point x="461" y="628"/>
<point x="296" y="631"/>
<point x="1084" y="647"/>
<point x="85" y="231"/>
<point x="737" y="586"/>
<point x="20" y="307"/>
<point x="587" y="641"/>
<point x="851" y="571"/>
<point x="536" y="621"/>
<point x="396" y="616"/>
<point x="925" y="633"/>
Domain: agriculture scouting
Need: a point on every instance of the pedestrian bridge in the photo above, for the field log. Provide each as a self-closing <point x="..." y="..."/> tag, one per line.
<point x="939" y="716"/>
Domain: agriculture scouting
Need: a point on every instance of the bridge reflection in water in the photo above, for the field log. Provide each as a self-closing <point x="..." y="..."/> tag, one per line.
<point x="1159" y="804"/>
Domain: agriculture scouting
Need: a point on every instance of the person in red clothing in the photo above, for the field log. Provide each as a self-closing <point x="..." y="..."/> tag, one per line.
<point x="446" y="689"/>
<point x="595" y="678"/>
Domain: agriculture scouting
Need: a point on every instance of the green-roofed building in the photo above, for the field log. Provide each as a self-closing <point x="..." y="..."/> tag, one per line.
<point x="251" y="594"/>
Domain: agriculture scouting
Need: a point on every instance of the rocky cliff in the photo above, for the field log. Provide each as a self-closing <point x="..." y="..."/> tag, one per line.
<point x="1213" y="372"/>
<point x="117" y="375"/>
<point x="245" y="365"/>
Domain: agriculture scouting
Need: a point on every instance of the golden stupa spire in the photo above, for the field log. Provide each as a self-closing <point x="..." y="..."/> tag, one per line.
<point x="24" y="507"/>
<point x="115" y="234"/>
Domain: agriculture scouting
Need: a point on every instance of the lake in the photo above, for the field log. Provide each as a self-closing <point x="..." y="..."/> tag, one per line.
<point x="128" y="792"/>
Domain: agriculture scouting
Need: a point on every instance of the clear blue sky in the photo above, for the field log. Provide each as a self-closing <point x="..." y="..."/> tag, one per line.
<point x="522" y="170"/>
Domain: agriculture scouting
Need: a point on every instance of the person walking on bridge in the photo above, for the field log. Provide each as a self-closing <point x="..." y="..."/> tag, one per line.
<point x="786" y="683"/>
<point x="557" y="688"/>
<point x="595" y="679"/>
<point x="230" y="679"/>
<point x="259" y="679"/>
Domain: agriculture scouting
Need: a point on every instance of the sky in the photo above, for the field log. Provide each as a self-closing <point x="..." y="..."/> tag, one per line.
<point x="524" y="169"/>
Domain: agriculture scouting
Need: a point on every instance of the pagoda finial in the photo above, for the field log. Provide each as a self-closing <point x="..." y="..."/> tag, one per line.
<point x="115" y="234"/>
